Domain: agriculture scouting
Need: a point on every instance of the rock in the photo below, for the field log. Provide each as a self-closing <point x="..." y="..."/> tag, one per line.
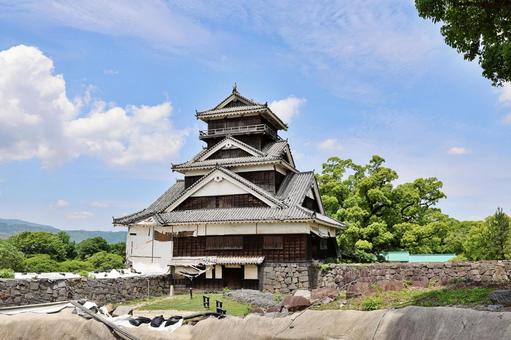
<point x="326" y="300"/>
<point x="302" y="292"/>
<point x="492" y="308"/>
<point x="501" y="297"/>
<point x="295" y="303"/>
<point x="253" y="297"/>
<point x="320" y="293"/>
<point x="257" y="310"/>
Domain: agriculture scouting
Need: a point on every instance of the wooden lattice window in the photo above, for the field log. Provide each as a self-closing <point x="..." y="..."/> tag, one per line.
<point x="224" y="242"/>
<point x="273" y="242"/>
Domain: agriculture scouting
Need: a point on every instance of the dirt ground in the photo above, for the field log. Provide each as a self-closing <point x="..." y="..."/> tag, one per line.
<point x="409" y="323"/>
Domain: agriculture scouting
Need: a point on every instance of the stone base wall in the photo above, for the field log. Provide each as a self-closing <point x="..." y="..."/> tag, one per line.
<point x="285" y="278"/>
<point x="23" y="292"/>
<point x="358" y="279"/>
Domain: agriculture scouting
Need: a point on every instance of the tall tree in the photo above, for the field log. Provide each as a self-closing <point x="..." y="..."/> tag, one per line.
<point x="479" y="29"/>
<point x="498" y="234"/>
<point x="379" y="215"/>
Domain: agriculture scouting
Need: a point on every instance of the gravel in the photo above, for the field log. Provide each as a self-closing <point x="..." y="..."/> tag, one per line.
<point x="253" y="297"/>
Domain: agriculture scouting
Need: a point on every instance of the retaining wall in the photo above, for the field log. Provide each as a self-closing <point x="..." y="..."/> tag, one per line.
<point x="286" y="277"/>
<point x="23" y="292"/>
<point x="358" y="279"/>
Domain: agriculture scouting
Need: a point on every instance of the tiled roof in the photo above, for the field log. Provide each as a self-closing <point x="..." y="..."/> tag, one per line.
<point x="157" y="206"/>
<point x="234" y="140"/>
<point x="272" y="153"/>
<point x="289" y="199"/>
<point x="252" y="109"/>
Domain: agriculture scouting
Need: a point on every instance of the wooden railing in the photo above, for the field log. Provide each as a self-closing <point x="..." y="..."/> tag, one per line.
<point x="238" y="130"/>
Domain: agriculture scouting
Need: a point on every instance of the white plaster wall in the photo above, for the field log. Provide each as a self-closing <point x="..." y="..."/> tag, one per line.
<point x="250" y="272"/>
<point x="146" y="254"/>
<point x="224" y="187"/>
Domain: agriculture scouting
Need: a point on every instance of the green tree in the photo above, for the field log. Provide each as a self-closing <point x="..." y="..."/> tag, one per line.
<point x="498" y="235"/>
<point x="479" y="29"/>
<point x="91" y="246"/>
<point x="41" y="263"/>
<point x="378" y="215"/>
<point x="40" y="242"/>
<point x="104" y="261"/>
<point x="118" y="248"/>
<point x="75" y="266"/>
<point x="10" y="256"/>
<point x="69" y="245"/>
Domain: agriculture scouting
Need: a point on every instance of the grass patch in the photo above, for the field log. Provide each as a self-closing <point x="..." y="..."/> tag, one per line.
<point x="425" y="297"/>
<point x="184" y="303"/>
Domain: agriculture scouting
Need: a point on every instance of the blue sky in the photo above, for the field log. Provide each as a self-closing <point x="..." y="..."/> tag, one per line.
<point x="98" y="99"/>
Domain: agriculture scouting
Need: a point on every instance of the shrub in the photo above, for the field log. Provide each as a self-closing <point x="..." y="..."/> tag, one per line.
<point x="84" y="273"/>
<point x="118" y="248"/>
<point x="91" y="246"/>
<point x="40" y="242"/>
<point x="75" y="266"/>
<point x="41" y="263"/>
<point x="372" y="303"/>
<point x="105" y="261"/>
<point x="6" y="273"/>
<point x="10" y="256"/>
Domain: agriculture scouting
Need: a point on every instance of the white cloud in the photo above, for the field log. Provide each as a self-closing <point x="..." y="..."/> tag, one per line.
<point x="287" y="108"/>
<point x="40" y="121"/>
<point x="330" y="144"/>
<point x="80" y="215"/>
<point x="60" y="204"/>
<point x="151" y="21"/>
<point x="98" y="204"/>
<point x="505" y="93"/>
<point x="457" y="150"/>
<point x="110" y="72"/>
<point x="507" y="119"/>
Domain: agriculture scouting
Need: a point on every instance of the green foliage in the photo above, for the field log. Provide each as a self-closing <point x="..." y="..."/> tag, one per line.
<point x="426" y="297"/>
<point x="41" y="263"/>
<point x="372" y="303"/>
<point x="118" y="248"/>
<point x="69" y="245"/>
<point x="75" y="266"/>
<point x="84" y="273"/>
<point x="105" y="261"/>
<point x="91" y="246"/>
<point x="379" y="215"/>
<point x="10" y="256"/>
<point x="40" y="242"/>
<point x="480" y="30"/>
<point x="489" y="239"/>
<point x="6" y="273"/>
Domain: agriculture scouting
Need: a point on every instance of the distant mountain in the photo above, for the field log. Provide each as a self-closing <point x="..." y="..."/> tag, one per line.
<point x="10" y="227"/>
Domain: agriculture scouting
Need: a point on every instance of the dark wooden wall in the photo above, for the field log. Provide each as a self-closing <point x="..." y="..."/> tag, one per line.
<point x="222" y="201"/>
<point x="295" y="248"/>
<point x="229" y="153"/>
<point x="269" y="180"/>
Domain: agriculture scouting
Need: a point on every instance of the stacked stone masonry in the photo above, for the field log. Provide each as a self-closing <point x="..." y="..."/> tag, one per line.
<point x="286" y="277"/>
<point x="359" y="279"/>
<point x="23" y="292"/>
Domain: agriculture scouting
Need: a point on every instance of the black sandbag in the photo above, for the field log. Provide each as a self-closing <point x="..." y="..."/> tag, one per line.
<point x="172" y="320"/>
<point x="143" y="319"/>
<point x="157" y="321"/>
<point x="134" y="322"/>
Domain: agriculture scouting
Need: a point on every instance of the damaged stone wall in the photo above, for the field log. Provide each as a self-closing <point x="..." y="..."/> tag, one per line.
<point x="23" y="292"/>
<point x="285" y="277"/>
<point x="358" y="279"/>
